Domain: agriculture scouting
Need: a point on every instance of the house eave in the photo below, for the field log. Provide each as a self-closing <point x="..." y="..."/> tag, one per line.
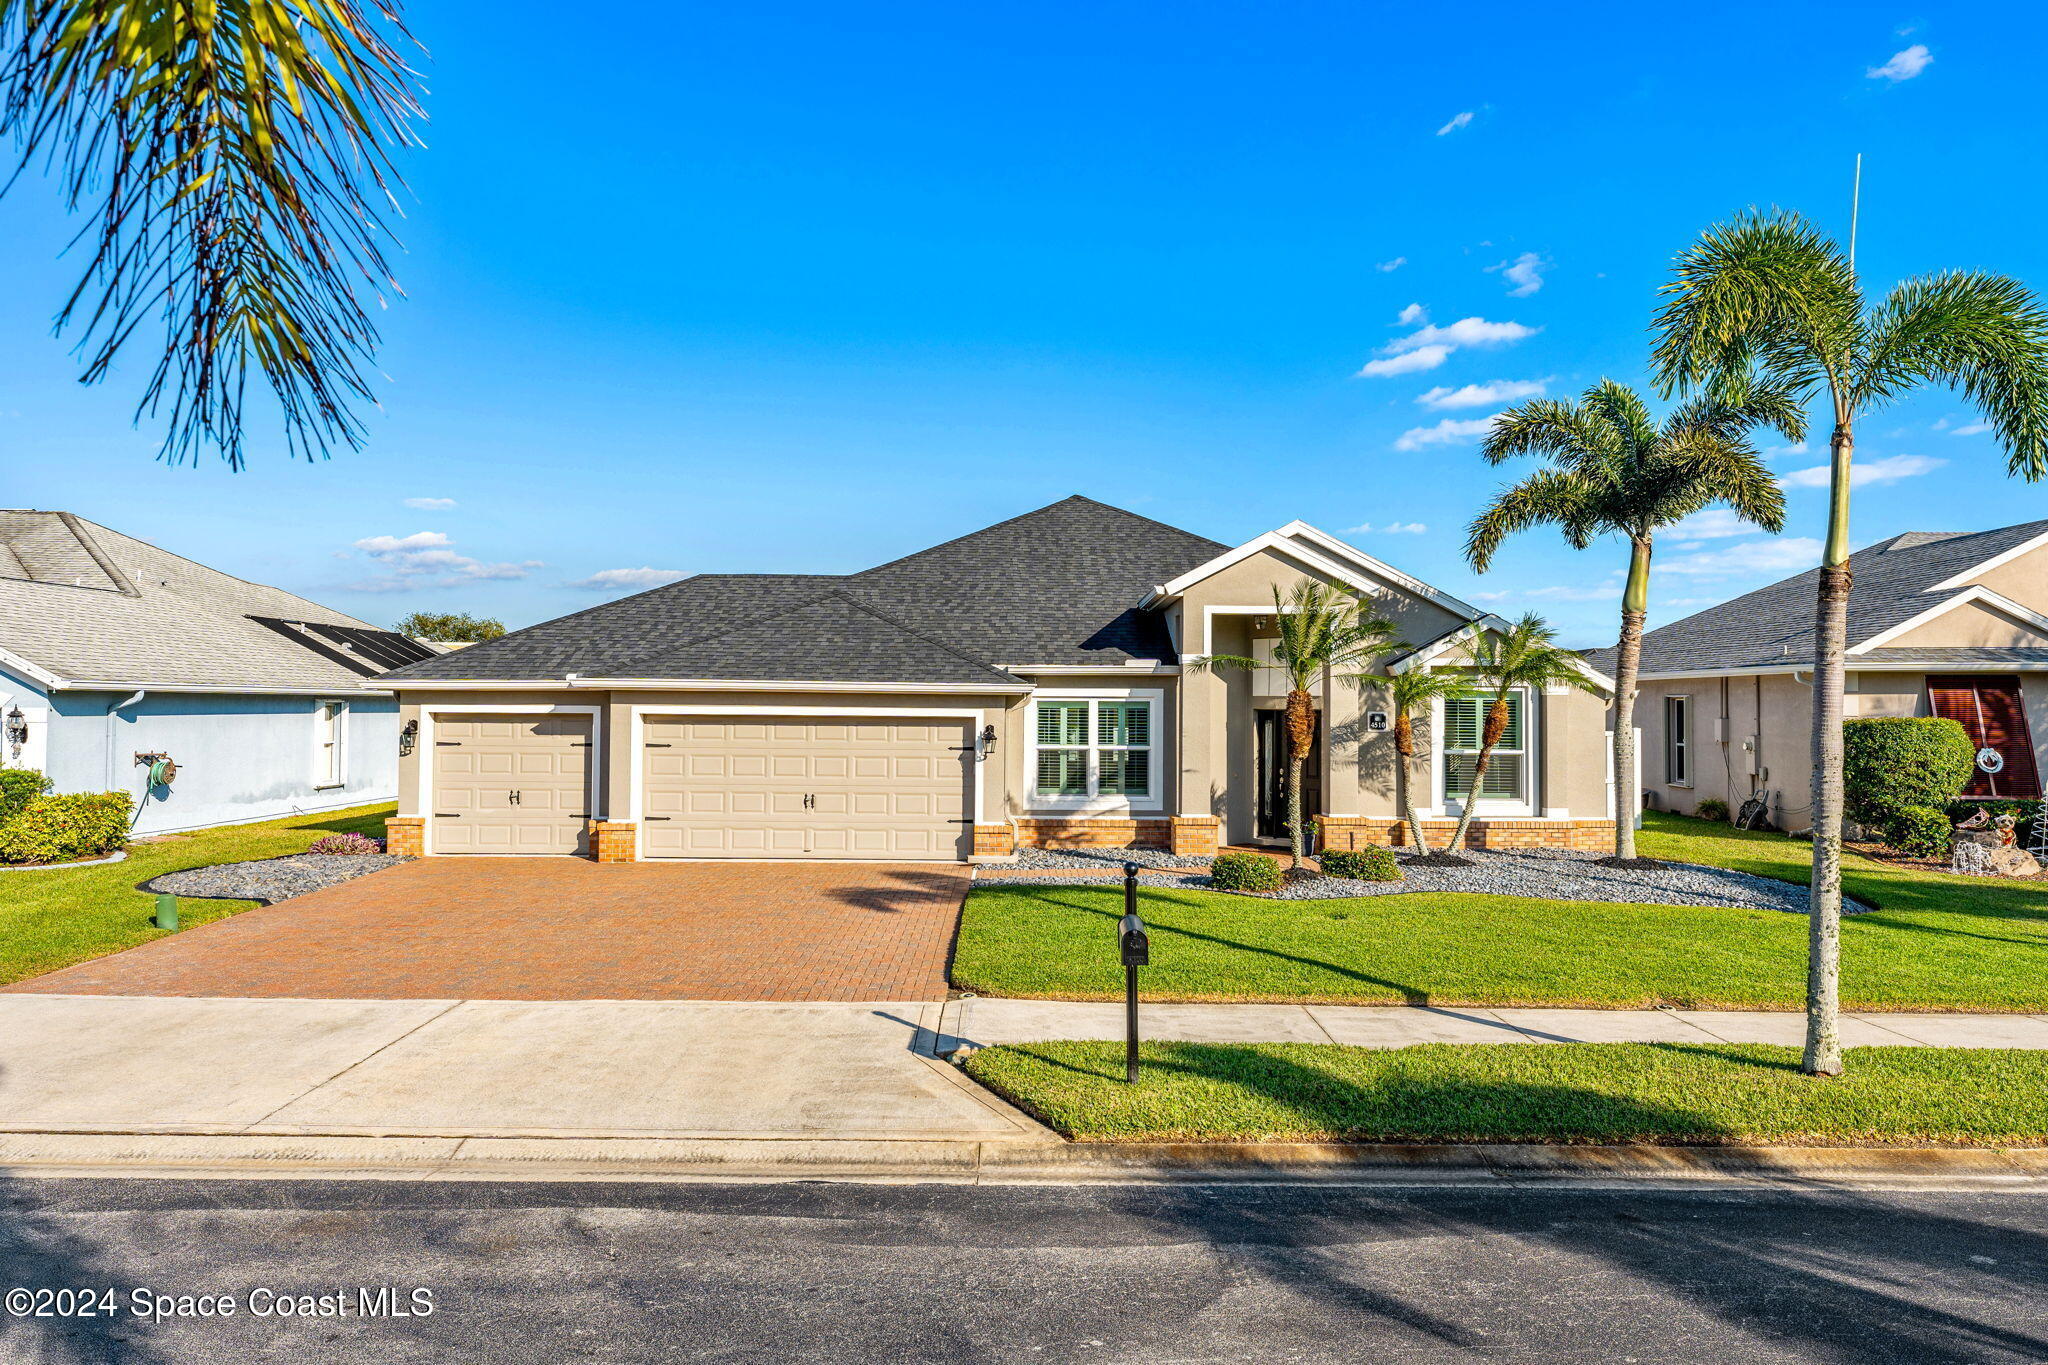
<point x="579" y="682"/>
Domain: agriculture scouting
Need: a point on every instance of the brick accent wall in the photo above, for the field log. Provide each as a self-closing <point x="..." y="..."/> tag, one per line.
<point x="613" y="841"/>
<point x="1080" y="832"/>
<point x="994" y="841"/>
<point x="1194" y="836"/>
<point x="405" y="835"/>
<point x="1352" y="831"/>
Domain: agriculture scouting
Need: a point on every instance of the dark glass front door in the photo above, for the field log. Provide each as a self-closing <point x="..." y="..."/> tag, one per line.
<point x="1270" y="757"/>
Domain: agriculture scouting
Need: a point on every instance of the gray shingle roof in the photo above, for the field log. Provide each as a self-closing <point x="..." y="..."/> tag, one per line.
<point x="1948" y="656"/>
<point x="1056" y="586"/>
<point x="92" y="605"/>
<point x="1774" y="625"/>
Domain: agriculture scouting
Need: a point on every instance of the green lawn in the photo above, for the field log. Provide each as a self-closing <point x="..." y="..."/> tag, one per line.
<point x="1531" y="1092"/>
<point x="53" y="919"/>
<point x="1935" y="942"/>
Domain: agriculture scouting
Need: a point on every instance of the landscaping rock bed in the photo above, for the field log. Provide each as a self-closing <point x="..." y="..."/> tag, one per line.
<point x="1091" y="860"/>
<point x="271" y="879"/>
<point x="1545" y="874"/>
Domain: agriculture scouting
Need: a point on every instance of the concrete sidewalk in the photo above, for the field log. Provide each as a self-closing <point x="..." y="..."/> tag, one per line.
<point x="984" y="1023"/>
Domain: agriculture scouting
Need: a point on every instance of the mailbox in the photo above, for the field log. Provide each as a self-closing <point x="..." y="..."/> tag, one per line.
<point x="1132" y="940"/>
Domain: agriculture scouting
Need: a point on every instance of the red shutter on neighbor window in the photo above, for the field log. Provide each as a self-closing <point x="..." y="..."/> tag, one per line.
<point x="1991" y="710"/>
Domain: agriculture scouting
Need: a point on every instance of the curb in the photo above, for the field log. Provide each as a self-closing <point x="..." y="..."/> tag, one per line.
<point x="251" y="1156"/>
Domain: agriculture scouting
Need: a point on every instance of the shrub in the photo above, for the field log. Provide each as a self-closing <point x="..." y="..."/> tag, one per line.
<point x="1902" y="773"/>
<point x="1245" y="872"/>
<point x="55" y="829"/>
<point x="18" y="787"/>
<point x="346" y="844"/>
<point x="1713" y="808"/>
<point x="1362" y="865"/>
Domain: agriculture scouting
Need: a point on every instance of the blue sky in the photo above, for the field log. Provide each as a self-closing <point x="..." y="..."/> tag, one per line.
<point x="806" y="287"/>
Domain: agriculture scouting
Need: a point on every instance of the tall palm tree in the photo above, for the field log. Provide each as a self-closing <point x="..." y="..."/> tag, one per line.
<point x="1323" y="629"/>
<point x="1774" y="293"/>
<point x="1408" y="693"/>
<point x="1526" y="657"/>
<point x="1615" y="471"/>
<point x="237" y="155"/>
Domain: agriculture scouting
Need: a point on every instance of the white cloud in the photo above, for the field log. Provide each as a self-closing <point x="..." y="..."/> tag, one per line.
<point x="424" y="559"/>
<point x="1389" y="267"/>
<point x="1490" y="394"/>
<point x="1904" y="65"/>
<point x="621" y="580"/>
<point x="1413" y="314"/>
<point x="1972" y="429"/>
<point x="1784" y="452"/>
<point x="1563" y="592"/>
<point x="431" y="504"/>
<point x="1461" y="120"/>
<point x="1778" y="556"/>
<point x="1525" y="272"/>
<point x="1890" y="469"/>
<point x="1450" y="431"/>
<point x="1715" y="523"/>
<point x="1413" y="362"/>
<point x="1392" y="528"/>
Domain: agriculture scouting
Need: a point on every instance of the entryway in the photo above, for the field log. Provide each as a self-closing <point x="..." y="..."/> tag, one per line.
<point x="1269" y="749"/>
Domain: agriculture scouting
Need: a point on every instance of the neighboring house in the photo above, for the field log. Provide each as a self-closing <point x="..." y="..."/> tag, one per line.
<point x="113" y="651"/>
<point x="1026" y="684"/>
<point x="1940" y="624"/>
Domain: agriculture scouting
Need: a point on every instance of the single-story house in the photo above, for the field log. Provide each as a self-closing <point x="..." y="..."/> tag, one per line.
<point x="115" y="654"/>
<point x="1027" y="684"/>
<point x="1941" y="623"/>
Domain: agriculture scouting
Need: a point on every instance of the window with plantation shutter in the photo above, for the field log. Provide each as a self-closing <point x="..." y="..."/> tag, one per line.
<point x="1088" y="749"/>
<point x="1464" y="729"/>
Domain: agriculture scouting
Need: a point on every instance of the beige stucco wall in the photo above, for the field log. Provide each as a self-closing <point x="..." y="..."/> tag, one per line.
<point x="2024" y="580"/>
<point x="1766" y="744"/>
<point x="1973" y="623"/>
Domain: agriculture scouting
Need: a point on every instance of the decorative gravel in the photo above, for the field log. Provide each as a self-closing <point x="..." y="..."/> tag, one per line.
<point x="272" y="879"/>
<point x="1094" y="859"/>
<point x="1544" y="874"/>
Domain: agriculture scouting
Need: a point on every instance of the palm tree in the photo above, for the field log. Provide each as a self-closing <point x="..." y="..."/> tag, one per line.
<point x="1774" y="293"/>
<point x="1323" y="629"/>
<point x="1525" y="656"/>
<point x="1614" y="471"/>
<point x="1410" y="692"/>
<point x="234" y="155"/>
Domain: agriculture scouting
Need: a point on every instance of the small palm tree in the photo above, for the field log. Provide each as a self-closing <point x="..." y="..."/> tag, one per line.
<point x="1615" y="471"/>
<point x="1411" y="692"/>
<point x="1525" y="656"/>
<point x="1774" y="293"/>
<point x="1323" y="629"/>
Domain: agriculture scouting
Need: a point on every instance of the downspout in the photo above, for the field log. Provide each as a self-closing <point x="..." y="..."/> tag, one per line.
<point x="123" y="705"/>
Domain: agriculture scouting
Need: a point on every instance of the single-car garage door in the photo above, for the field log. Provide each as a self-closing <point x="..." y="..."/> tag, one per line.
<point x="511" y="784"/>
<point x="766" y="787"/>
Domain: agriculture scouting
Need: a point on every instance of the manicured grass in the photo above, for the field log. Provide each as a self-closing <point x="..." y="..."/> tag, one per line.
<point x="1524" y="1092"/>
<point x="1934" y="943"/>
<point x="53" y="919"/>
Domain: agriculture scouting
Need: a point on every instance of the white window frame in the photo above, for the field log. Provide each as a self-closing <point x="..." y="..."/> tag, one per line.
<point x="330" y="762"/>
<point x="1528" y="806"/>
<point x="1154" y="697"/>
<point x="1678" y="740"/>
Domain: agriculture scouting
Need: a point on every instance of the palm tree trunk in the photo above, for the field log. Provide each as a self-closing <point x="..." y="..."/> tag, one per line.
<point x="1635" y="600"/>
<point x="1824" y="899"/>
<point x="1301" y="734"/>
<point x="1404" y="746"/>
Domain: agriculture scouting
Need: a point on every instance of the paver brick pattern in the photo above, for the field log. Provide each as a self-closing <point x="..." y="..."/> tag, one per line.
<point x="567" y="929"/>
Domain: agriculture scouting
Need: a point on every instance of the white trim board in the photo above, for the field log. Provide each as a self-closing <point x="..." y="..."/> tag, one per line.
<point x="428" y="754"/>
<point x="1969" y="575"/>
<point x="1981" y="596"/>
<point x="1327" y="555"/>
<point x="575" y="681"/>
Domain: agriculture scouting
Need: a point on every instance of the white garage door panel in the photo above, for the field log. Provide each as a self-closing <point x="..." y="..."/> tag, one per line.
<point x="759" y="788"/>
<point x="481" y="761"/>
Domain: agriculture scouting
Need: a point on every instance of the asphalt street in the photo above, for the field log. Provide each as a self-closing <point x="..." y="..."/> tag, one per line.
<point x="880" y="1273"/>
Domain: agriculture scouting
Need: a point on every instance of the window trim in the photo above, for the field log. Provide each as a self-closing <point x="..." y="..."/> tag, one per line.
<point x="1528" y="755"/>
<point x="1152" y="799"/>
<point x="330" y="768"/>
<point x="1676" y="744"/>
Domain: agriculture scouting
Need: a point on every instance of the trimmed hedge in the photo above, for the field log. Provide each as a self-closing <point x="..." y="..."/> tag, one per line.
<point x="18" y="787"/>
<point x="1361" y="864"/>
<point x="1902" y="772"/>
<point x="55" y="829"/>
<point x="1244" y="872"/>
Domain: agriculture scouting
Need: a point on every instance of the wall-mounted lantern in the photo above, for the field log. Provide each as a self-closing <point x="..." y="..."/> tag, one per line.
<point x="17" y="732"/>
<point x="408" y="737"/>
<point x="988" y="741"/>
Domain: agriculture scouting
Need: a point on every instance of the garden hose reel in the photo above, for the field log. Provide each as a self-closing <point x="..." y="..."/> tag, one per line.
<point x="163" y="769"/>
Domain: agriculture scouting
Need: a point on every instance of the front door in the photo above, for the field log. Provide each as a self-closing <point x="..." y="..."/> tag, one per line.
<point x="1990" y="709"/>
<point x="1270" y="762"/>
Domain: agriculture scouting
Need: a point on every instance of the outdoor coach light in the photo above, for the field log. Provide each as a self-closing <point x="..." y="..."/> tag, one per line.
<point x="988" y="740"/>
<point x="17" y="731"/>
<point x="408" y="737"/>
<point x="1136" y="950"/>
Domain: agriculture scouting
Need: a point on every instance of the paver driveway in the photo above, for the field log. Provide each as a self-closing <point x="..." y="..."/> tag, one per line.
<point x="566" y="929"/>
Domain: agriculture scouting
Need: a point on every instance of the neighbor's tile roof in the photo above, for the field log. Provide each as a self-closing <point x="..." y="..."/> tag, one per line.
<point x="1056" y="586"/>
<point x="1774" y="625"/>
<point x="92" y="605"/>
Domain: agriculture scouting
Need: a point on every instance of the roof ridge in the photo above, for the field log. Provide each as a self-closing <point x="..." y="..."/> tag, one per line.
<point x="1023" y="516"/>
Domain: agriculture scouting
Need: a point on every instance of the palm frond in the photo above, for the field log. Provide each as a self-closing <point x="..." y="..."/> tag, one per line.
<point x="237" y="156"/>
<point x="1542" y="426"/>
<point x="1548" y="497"/>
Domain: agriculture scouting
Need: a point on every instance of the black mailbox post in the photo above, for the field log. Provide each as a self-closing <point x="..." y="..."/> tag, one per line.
<point x="1135" y="947"/>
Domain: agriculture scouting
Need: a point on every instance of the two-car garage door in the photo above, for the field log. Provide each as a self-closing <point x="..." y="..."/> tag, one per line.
<point x="823" y="787"/>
